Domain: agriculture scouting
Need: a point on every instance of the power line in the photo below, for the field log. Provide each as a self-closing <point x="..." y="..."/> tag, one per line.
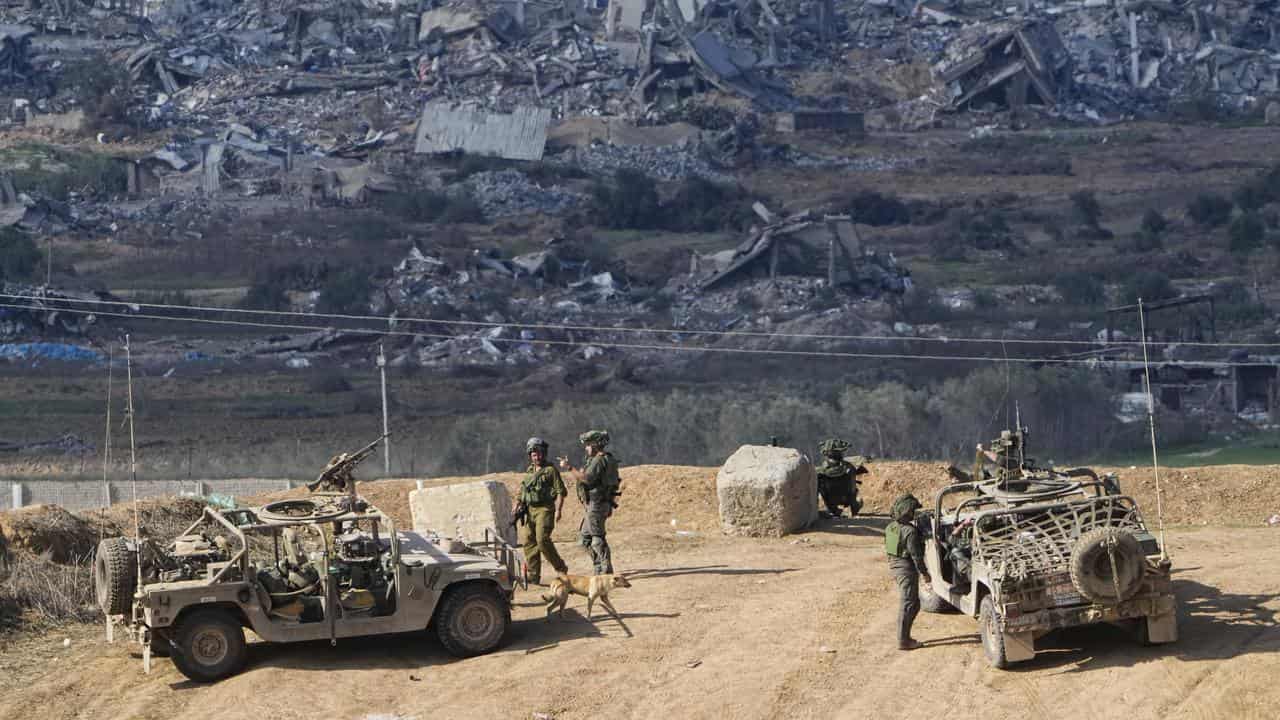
<point x="613" y="345"/>
<point x="613" y="329"/>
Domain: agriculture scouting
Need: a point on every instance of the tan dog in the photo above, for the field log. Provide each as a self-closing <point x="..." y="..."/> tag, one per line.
<point x="593" y="587"/>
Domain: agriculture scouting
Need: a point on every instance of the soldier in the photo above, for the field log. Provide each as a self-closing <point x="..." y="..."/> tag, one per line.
<point x="542" y="493"/>
<point x="597" y="486"/>
<point x="1006" y="452"/>
<point x="903" y="545"/>
<point x="837" y="477"/>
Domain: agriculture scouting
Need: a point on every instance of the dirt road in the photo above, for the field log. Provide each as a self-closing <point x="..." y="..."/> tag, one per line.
<point x="718" y="627"/>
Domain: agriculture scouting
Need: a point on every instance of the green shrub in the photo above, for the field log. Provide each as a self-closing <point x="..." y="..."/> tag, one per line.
<point x="700" y="205"/>
<point x="872" y="208"/>
<point x="268" y="291"/>
<point x="346" y="292"/>
<point x="19" y="255"/>
<point x="1153" y="223"/>
<point x="1209" y="210"/>
<point x="103" y="90"/>
<point x="462" y="209"/>
<point x="985" y="231"/>
<point x="1247" y="233"/>
<point x="1088" y="210"/>
<point x="1149" y="285"/>
<point x="629" y="202"/>
<point x="1080" y="288"/>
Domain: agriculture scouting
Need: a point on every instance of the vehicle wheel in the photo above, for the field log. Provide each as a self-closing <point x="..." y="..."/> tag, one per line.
<point x="992" y="637"/>
<point x="932" y="602"/>
<point x="472" y="620"/>
<point x="1091" y="565"/>
<point x="160" y="647"/>
<point x="115" y="575"/>
<point x="210" y="646"/>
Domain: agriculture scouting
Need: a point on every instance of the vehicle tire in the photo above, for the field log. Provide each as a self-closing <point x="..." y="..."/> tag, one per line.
<point x="210" y="645"/>
<point x="932" y="602"/>
<point x="115" y="575"/>
<point x="1091" y="559"/>
<point x="472" y="620"/>
<point x="992" y="636"/>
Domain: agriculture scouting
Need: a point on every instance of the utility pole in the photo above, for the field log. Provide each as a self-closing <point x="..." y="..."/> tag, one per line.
<point x="48" y="265"/>
<point x="386" y="430"/>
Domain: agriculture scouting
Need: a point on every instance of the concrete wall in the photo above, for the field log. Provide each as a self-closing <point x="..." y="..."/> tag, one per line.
<point x="83" y="495"/>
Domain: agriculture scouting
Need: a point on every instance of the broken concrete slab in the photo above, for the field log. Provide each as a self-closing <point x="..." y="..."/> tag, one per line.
<point x="447" y="21"/>
<point x="464" y="511"/>
<point x="522" y="135"/>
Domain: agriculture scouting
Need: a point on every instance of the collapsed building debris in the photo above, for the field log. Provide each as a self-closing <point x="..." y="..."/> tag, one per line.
<point x="800" y="244"/>
<point x="1025" y="63"/>
<point x="45" y="310"/>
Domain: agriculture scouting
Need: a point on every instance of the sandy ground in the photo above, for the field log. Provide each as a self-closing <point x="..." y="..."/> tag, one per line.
<point x="719" y="627"/>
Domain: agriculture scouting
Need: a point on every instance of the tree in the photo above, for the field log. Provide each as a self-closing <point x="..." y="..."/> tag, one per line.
<point x="1148" y="285"/>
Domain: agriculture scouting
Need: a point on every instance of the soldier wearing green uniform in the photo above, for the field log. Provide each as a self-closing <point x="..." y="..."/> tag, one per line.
<point x="597" y="489"/>
<point x="838" y="478"/>
<point x="1006" y="453"/>
<point x="903" y="545"/>
<point x="542" y="492"/>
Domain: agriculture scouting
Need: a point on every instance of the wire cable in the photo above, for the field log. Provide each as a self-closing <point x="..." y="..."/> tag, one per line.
<point x="607" y="329"/>
<point x="616" y="345"/>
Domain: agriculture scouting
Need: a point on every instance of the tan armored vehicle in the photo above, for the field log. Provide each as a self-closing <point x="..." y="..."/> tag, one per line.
<point x="1032" y="551"/>
<point x="325" y="567"/>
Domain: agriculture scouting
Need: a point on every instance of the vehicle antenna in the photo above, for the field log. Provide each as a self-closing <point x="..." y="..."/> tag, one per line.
<point x="1151" y="422"/>
<point x="106" y="454"/>
<point x="1017" y="427"/>
<point x="133" y="457"/>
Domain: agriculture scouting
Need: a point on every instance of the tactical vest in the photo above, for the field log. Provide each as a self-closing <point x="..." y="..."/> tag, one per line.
<point x="609" y="481"/>
<point x="893" y="540"/>
<point x="538" y="487"/>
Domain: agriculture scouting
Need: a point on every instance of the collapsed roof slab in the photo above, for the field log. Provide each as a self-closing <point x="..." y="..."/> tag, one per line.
<point x="521" y="135"/>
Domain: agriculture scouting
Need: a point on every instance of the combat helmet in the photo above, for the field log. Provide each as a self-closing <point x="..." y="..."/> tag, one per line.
<point x="903" y="506"/>
<point x="599" y="438"/>
<point x="536" y="443"/>
<point x="834" y="447"/>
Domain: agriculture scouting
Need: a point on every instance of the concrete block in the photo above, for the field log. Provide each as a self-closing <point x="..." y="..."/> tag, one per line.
<point x="767" y="491"/>
<point x="464" y="510"/>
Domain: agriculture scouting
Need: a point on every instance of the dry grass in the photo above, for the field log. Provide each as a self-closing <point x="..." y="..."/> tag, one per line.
<point x="37" y="591"/>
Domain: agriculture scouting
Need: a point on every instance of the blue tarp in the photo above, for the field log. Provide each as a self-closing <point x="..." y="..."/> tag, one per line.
<point x="49" y="351"/>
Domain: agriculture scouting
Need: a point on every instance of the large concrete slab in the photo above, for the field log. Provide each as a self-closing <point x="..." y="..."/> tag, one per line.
<point x="767" y="491"/>
<point x="521" y="135"/>
<point x="463" y="511"/>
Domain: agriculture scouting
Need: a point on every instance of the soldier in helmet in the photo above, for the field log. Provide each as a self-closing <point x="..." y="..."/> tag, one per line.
<point x="597" y="487"/>
<point x="542" y="492"/>
<point x="837" y="477"/>
<point x="1006" y="453"/>
<point x="903" y="545"/>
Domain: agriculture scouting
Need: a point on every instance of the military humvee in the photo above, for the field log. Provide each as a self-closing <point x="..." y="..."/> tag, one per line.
<point x="1040" y="550"/>
<point x="325" y="567"/>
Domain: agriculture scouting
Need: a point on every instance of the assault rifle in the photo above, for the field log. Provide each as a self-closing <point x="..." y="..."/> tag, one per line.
<point x="520" y="516"/>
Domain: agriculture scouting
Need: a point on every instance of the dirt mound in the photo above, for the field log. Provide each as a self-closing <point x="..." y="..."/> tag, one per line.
<point x="49" y="530"/>
<point x="159" y="518"/>
<point x="657" y="494"/>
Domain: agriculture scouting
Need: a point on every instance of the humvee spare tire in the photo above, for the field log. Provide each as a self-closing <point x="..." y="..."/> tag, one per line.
<point x="1095" y="555"/>
<point x="115" y="575"/>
